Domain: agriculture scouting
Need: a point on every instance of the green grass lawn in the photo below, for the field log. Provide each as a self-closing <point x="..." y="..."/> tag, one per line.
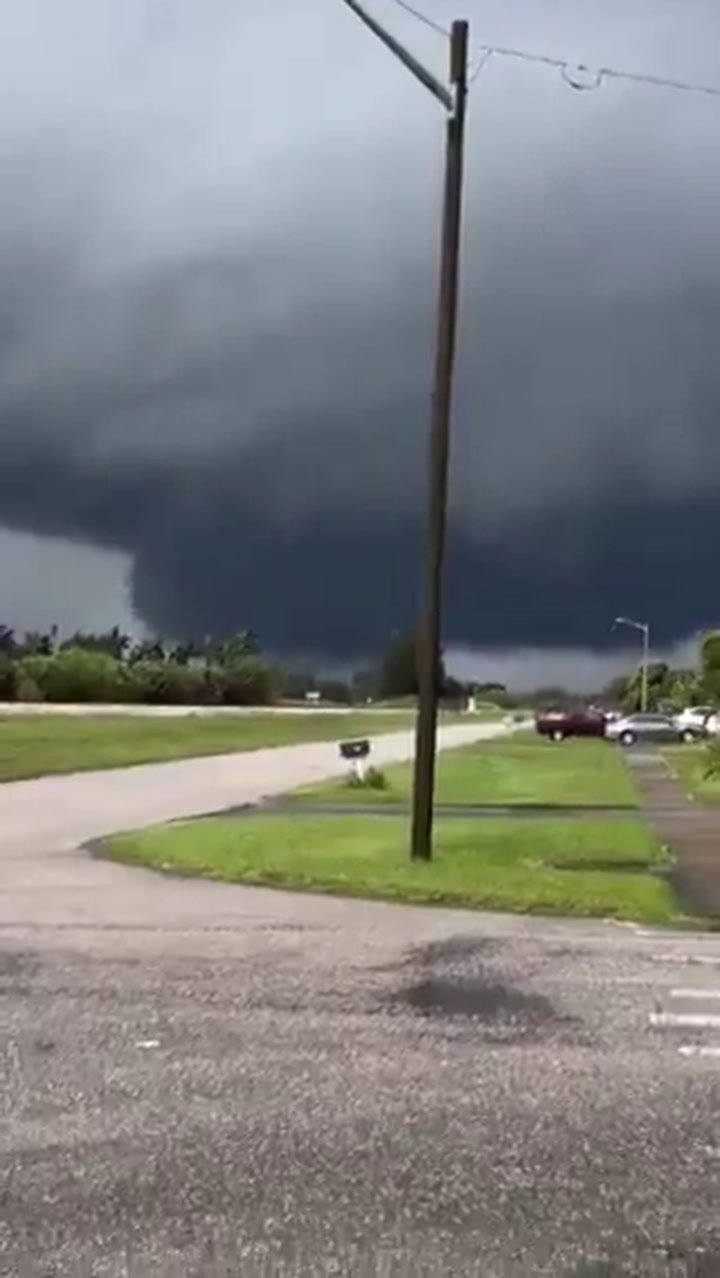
<point x="688" y="763"/>
<point x="553" y="867"/>
<point x="39" y="744"/>
<point x="523" y="769"/>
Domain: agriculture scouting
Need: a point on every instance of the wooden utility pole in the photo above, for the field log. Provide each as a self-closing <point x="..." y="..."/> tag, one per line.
<point x="429" y="631"/>
<point x="428" y="638"/>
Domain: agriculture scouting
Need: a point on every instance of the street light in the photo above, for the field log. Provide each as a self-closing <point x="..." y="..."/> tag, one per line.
<point x="453" y="99"/>
<point x="644" y="629"/>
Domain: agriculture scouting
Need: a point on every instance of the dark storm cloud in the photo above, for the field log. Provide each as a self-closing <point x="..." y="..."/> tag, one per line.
<point x="216" y="320"/>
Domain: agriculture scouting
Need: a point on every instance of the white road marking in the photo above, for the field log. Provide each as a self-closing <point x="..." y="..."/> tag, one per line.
<point x="683" y="1020"/>
<point x="695" y="992"/>
<point x="697" y="1050"/>
<point x="709" y="960"/>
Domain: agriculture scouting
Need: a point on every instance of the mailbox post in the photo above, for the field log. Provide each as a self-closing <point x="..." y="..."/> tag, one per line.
<point x="356" y="752"/>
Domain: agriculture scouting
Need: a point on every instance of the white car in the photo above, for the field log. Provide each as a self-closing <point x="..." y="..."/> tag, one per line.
<point x="693" y="717"/>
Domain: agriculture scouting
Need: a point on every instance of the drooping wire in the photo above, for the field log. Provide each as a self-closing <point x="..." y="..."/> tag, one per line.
<point x="598" y="75"/>
<point x="479" y="66"/>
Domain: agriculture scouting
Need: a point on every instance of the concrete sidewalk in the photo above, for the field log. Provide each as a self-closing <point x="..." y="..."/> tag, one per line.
<point x="690" y="829"/>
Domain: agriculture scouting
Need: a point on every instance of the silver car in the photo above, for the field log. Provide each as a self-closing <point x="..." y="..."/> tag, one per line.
<point x="648" y="728"/>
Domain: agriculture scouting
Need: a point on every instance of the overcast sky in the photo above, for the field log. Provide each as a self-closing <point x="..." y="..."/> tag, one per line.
<point x="218" y="251"/>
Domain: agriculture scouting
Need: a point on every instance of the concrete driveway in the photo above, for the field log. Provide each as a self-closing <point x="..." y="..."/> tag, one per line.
<point x="200" y="1079"/>
<point x="62" y="811"/>
<point x="44" y="874"/>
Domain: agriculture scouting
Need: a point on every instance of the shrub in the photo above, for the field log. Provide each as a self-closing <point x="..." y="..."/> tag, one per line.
<point x="710" y="666"/>
<point x="166" y="683"/>
<point x="8" y="678"/>
<point x="712" y="759"/>
<point x="74" y="674"/>
<point x="247" y="681"/>
<point x="373" y="779"/>
<point x="27" y="690"/>
<point x="92" y="675"/>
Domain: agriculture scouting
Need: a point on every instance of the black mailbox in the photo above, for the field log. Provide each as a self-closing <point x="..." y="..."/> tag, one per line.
<point x="355" y="749"/>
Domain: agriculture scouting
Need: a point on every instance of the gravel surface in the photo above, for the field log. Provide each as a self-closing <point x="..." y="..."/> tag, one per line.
<point x="200" y="1079"/>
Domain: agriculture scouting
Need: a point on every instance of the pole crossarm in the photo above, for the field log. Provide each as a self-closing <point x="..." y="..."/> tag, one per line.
<point x="416" y="68"/>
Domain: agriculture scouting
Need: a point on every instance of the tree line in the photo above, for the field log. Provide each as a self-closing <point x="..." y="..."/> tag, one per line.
<point x="671" y="689"/>
<point x="110" y="666"/>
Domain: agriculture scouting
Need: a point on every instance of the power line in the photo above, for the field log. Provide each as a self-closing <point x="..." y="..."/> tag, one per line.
<point x="423" y="17"/>
<point x="563" y="65"/>
<point x="684" y="86"/>
<point x="598" y="74"/>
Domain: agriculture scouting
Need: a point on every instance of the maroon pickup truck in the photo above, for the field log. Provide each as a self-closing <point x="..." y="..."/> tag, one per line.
<point x="559" y="724"/>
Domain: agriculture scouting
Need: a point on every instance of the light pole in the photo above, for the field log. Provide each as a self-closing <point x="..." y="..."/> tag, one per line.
<point x="644" y="629"/>
<point x="454" y="100"/>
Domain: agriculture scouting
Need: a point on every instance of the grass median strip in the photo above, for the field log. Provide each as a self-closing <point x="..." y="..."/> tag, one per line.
<point x="42" y="744"/>
<point x="587" y="868"/>
<point x="521" y="770"/>
<point x="689" y="763"/>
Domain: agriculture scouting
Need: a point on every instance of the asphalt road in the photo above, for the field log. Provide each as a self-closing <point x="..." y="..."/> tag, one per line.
<point x="201" y="1079"/>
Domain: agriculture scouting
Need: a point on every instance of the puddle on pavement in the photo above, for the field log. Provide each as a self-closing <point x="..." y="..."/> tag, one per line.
<point x="452" y="981"/>
<point x="437" y="997"/>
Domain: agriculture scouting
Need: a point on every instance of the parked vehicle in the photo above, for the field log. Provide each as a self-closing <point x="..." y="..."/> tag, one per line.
<point x="559" y="724"/>
<point x="694" y="716"/>
<point x="651" y="728"/>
